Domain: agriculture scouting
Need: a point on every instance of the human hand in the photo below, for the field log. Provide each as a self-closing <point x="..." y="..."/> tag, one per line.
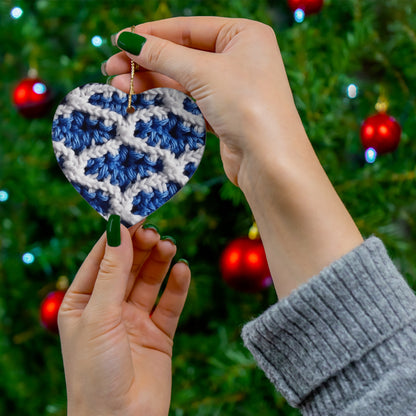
<point x="234" y="71"/>
<point x="117" y="352"/>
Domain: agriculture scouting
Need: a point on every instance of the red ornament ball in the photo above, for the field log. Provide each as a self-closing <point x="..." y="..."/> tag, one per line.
<point x="244" y="266"/>
<point x="32" y="98"/>
<point x="308" y="6"/>
<point x="49" y="309"/>
<point x="381" y="132"/>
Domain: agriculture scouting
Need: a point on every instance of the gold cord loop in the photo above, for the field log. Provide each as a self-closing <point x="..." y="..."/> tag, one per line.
<point x="133" y="66"/>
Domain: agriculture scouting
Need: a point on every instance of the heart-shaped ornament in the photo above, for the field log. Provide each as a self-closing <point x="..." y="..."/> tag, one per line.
<point x="124" y="163"/>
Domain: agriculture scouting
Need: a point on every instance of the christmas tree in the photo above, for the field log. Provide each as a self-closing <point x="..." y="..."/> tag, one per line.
<point x="342" y="60"/>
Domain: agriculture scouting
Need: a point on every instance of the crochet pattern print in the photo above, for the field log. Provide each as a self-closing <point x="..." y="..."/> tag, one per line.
<point x="128" y="164"/>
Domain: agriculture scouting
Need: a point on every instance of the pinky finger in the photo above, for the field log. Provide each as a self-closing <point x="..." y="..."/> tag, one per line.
<point x="167" y="313"/>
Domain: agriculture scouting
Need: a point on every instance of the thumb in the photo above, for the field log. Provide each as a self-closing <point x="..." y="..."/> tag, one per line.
<point x="180" y="63"/>
<point x="110" y="286"/>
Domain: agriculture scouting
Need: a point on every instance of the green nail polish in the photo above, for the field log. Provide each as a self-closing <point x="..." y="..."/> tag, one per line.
<point x="131" y="42"/>
<point x="103" y="69"/>
<point x="109" y="80"/>
<point x="114" y="39"/>
<point x="113" y="231"/>
<point x="183" y="261"/>
<point x="168" y="237"/>
<point x="150" y="227"/>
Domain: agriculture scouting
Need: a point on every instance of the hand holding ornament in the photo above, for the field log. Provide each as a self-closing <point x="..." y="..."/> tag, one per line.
<point x="116" y="346"/>
<point x="234" y="70"/>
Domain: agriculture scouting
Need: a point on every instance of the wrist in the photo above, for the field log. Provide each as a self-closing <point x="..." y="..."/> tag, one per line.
<point x="275" y="166"/>
<point x="275" y="143"/>
<point x="303" y="224"/>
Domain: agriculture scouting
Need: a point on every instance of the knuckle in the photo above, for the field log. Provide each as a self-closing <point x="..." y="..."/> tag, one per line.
<point x="186" y="37"/>
<point x="156" y="52"/>
<point x="108" y="269"/>
<point x="264" y="29"/>
<point x="191" y="78"/>
<point x="63" y="310"/>
<point x="61" y="319"/>
<point x="268" y="30"/>
<point x="170" y="312"/>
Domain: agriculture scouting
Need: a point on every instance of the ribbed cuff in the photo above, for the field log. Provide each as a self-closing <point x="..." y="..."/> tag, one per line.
<point x="337" y="333"/>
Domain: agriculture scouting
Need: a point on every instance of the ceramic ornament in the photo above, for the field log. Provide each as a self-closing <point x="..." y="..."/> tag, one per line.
<point x="122" y="162"/>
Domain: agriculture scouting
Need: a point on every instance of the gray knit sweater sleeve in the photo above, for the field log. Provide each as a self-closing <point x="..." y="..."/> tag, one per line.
<point x="345" y="342"/>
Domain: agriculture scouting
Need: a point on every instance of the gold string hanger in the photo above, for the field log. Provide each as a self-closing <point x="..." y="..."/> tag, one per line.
<point x="133" y="67"/>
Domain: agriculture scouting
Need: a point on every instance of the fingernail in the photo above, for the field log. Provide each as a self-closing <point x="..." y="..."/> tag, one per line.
<point x="114" y="39"/>
<point x="150" y="227"/>
<point x="109" y="80"/>
<point x="169" y="238"/>
<point x="103" y="69"/>
<point x="113" y="231"/>
<point x="183" y="261"/>
<point x="131" y="42"/>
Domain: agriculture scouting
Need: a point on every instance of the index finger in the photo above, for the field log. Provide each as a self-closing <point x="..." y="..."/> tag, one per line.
<point x="197" y="32"/>
<point x="86" y="276"/>
<point x="84" y="280"/>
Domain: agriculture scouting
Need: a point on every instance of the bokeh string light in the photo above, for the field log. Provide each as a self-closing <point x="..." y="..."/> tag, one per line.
<point x="352" y="91"/>
<point x="4" y="195"/>
<point x="97" y="41"/>
<point x="370" y="155"/>
<point x="28" y="258"/>
<point x="16" y="13"/>
<point x="299" y="15"/>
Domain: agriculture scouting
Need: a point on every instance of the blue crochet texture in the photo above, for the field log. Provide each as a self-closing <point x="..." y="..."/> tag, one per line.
<point x="122" y="163"/>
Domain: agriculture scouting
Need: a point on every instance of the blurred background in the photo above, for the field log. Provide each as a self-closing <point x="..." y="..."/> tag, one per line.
<point x="346" y="60"/>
